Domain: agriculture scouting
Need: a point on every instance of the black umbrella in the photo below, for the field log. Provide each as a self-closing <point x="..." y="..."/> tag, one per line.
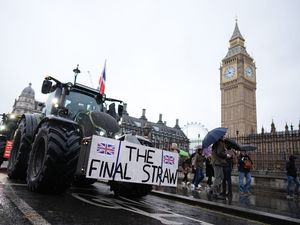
<point x="232" y="144"/>
<point x="213" y="136"/>
<point x="248" y="148"/>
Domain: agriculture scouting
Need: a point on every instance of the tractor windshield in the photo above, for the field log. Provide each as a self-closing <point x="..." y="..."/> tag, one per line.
<point x="76" y="102"/>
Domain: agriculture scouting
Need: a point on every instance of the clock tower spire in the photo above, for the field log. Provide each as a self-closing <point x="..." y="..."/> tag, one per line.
<point x="238" y="88"/>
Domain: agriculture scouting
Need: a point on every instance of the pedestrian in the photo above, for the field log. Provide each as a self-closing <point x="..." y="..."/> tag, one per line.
<point x="197" y="165"/>
<point x="209" y="170"/>
<point x="186" y="168"/>
<point x="174" y="148"/>
<point x="227" y="183"/>
<point x="245" y="165"/>
<point x="218" y="162"/>
<point x="291" y="172"/>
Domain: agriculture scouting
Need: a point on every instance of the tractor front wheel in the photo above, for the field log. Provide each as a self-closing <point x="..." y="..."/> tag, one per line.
<point x="53" y="158"/>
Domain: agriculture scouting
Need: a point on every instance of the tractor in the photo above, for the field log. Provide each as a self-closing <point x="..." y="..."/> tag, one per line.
<point x="48" y="150"/>
<point x="53" y="150"/>
<point x="8" y="126"/>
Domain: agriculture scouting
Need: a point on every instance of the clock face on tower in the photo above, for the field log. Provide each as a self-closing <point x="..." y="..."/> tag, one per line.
<point x="229" y="72"/>
<point x="249" y="71"/>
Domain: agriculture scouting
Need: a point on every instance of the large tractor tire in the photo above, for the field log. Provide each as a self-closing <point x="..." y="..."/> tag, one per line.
<point x="17" y="164"/>
<point x="131" y="190"/>
<point x="53" y="158"/>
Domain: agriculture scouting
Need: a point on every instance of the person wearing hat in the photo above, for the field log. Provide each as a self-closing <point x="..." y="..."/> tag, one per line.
<point x="291" y="172"/>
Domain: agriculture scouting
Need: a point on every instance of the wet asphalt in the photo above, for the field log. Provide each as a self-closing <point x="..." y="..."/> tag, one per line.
<point x="264" y="202"/>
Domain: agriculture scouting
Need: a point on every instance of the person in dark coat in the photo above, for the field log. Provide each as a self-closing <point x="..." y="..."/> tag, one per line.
<point x="291" y="172"/>
<point x="209" y="170"/>
<point x="218" y="161"/>
<point x="227" y="183"/>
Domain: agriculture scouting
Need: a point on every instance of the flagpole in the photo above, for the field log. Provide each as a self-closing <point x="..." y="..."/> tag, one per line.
<point x="76" y="71"/>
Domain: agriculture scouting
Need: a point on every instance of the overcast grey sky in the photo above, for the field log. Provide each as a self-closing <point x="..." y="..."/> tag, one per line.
<point x="162" y="55"/>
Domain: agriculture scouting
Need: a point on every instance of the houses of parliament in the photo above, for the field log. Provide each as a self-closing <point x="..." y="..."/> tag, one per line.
<point x="238" y="113"/>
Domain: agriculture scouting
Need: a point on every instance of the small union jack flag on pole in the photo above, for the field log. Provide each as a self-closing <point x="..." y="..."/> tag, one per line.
<point x="106" y="149"/>
<point x="102" y="80"/>
<point x="168" y="159"/>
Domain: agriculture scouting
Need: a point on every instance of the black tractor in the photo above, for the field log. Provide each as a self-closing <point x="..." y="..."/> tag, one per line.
<point x="8" y="126"/>
<point x="47" y="146"/>
<point x="50" y="150"/>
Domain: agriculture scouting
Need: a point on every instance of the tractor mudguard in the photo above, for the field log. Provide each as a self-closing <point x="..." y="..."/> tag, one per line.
<point x="64" y="121"/>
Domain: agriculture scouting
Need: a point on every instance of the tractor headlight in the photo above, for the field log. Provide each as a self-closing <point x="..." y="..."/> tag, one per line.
<point x="100" y="131"/>
<point x="2" y="127"/>
<point x="120" y="121"/>
<point x="55" y="102"/>
<point x="12" y="116"/>
<point x="117" y="135"/>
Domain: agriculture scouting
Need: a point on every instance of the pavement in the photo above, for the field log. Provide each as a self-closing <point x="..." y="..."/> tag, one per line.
<point x="265" y="204"/>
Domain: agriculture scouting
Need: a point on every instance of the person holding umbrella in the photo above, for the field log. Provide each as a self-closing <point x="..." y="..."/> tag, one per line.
<point x="218" y="161"/>
<point x="209" y="170"/>
<point x="230" y="144"/>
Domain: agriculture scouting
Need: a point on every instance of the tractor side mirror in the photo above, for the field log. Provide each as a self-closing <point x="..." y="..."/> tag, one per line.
<point x="120" y="110"/>
<point x="42" y="105"/>
<point x="46" y="87"/>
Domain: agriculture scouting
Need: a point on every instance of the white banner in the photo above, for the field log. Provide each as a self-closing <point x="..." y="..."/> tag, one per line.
<point x="128" y="162"/>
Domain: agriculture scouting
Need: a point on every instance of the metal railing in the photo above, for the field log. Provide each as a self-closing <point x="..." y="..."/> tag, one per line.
<point x="273" y="151"/>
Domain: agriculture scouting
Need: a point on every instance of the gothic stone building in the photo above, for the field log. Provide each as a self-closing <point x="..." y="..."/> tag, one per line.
<point x="238" y="111"/>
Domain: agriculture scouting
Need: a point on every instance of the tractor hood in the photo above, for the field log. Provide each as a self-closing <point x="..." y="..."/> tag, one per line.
<point x="98" y="123"/>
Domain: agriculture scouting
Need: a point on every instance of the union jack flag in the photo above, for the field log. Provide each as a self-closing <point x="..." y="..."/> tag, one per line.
<point x="105" y="149"/>
<point x="168" y="159"/>
<point x="102" y="80"/>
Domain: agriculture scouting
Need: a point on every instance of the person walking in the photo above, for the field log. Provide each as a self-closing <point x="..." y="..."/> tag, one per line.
<point x="218" y="162"/>
<point x="244" y="167"/>
<point x="174" y="148"/>
<point x="291" y="172"/>
<point x="209" y="170"/>
<point x="186" y="168"/>
<point x="197" y="165"/>
<point x="227" y="172"/>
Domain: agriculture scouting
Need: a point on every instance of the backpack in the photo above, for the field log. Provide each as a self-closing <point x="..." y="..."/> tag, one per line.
<point x="248" y="164"/>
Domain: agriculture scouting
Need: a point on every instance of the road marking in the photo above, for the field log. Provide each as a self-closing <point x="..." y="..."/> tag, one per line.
<point x="133" y="206"/>
<point x="33" y="216"/>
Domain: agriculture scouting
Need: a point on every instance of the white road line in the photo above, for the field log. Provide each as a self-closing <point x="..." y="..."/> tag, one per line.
<point x="29" y="213"/>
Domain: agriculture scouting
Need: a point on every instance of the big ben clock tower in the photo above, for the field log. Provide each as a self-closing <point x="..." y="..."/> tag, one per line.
<point x="238" y="88"/>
